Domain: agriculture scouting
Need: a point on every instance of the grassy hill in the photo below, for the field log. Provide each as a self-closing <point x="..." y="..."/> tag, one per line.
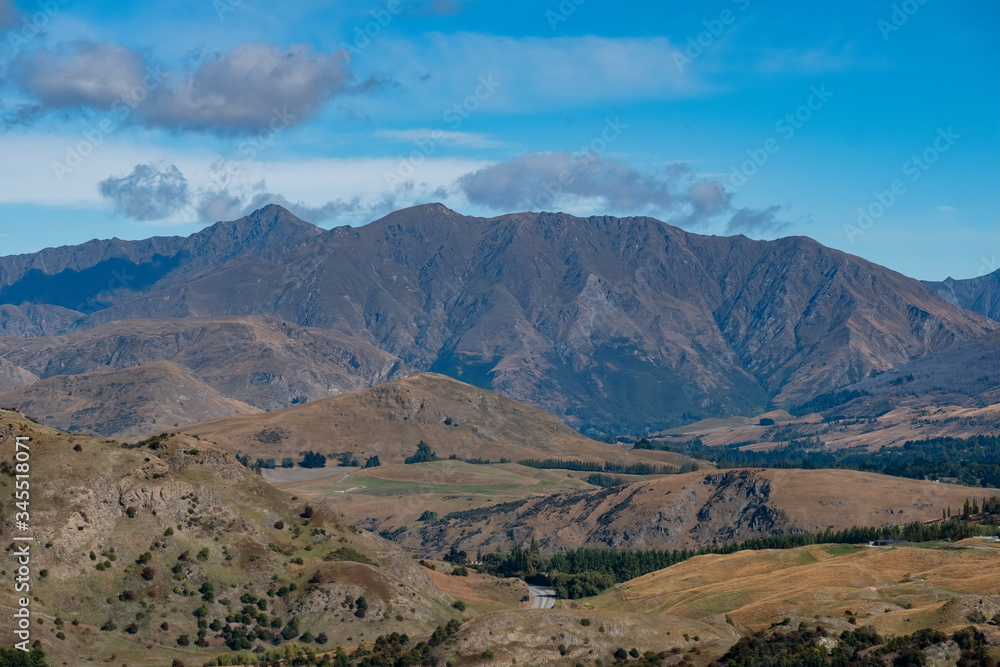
<point x="140" y="549"/>
<point x="894" y="590"/>
<point x="388" y="420"/>
<point x="123" y="403"/>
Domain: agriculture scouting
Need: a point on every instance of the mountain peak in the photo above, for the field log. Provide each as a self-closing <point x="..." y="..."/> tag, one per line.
<point x="422" y="212"/>
<point x="276" y="215"/>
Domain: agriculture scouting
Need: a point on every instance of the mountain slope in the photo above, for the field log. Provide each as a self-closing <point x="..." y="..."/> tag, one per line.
<point x="980" y="295"/>
<point x="123" y="403"/>
<point x="90" y="276"/>
<point x="262" y="361"/>
<point x="132" y="535"/>
<point x="14" y="377"/>
<point x="613" y="324"/>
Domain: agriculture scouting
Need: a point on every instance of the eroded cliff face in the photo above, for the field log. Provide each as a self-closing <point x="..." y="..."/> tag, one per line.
<point x="687" y="511"/>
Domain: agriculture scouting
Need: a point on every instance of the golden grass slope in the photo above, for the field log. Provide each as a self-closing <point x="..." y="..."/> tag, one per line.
<point x="390" y="419"/>
<point x="896" y="590"/>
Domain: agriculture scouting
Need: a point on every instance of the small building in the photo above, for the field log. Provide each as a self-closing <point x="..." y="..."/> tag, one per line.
<point x="886" y="543"/>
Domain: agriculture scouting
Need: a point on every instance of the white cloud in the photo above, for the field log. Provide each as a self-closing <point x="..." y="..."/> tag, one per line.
<point x="251" y="88"/>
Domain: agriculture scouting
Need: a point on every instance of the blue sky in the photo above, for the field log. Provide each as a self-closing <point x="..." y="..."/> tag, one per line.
<point x="869" y="126"/>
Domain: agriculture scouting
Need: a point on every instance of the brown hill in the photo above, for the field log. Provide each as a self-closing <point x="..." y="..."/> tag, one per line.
<point x="14" y="377"/>
<point x="36" y="320"/>
<point x="123" y="403"/>
<point x="262" y="361"/>
<point x="692" y="510"/>
<point x="388" y="420"/>
<point x="895" y="591"/>
<point x="126" y="538"/>
<point x="613" y="324"/>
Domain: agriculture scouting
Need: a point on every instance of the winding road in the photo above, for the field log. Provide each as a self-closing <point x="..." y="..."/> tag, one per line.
<point x="542" y="597"/>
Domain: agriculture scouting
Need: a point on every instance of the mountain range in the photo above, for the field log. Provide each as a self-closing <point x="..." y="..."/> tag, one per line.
<point x="980" y="294"/>
<point x="612" y="324"/>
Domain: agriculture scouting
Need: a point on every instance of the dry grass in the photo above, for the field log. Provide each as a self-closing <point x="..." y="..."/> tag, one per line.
<point x="894" y="589"/>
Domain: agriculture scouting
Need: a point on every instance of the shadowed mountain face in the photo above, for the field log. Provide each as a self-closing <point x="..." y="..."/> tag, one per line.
<point x="980" y="295"/>
<point x="613" y="324"/>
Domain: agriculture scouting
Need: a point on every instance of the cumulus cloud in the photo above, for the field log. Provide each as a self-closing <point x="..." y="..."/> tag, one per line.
<point x="756" y="221"/>
<point x="546" y="181"/>
<point x="79" y="75"/>
<point x="251" y="88"/>
<point x="539" y="179"/>
<point x="150" y="192"/>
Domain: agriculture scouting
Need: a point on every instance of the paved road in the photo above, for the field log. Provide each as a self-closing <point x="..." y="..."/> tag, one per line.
<point x="542" y="597"/>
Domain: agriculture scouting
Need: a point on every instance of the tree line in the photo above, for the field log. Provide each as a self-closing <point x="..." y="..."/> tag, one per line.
<point x="588" y="571"/>
<point x="972" y="461"/>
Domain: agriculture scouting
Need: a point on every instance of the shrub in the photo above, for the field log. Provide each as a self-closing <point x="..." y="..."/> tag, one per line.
<point x="459" y="605"/>
<point x="424" y="454"/>
<point x="132" y="628"/>
<point x="183" y="640"/>
<point x="131" y="511"/>
<point x="148" y="573"/>
<point x="168" y="532"/>
<point x="361" y="607"/>
<point x="313" y="460"/>
<point x="585" y="622"/>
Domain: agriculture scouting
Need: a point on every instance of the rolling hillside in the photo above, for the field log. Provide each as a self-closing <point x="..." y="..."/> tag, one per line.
<point x="388" y="420"/>
<point x="140" y="550"/>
